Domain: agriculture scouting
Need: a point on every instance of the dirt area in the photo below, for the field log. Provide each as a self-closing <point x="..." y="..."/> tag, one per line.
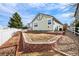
<point x="68" y="44"/>
<point x="40" y="37"/>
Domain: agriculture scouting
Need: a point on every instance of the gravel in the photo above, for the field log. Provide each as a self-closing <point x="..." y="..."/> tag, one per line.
<point x="68" y="45"/>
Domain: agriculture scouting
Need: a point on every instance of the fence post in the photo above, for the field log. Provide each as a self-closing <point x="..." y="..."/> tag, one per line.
<point x="74" y="28"/>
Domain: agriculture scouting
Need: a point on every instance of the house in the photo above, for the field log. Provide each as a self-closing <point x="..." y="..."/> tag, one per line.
<point x="76" y="15"/>
<point x="45" y="22"/>
<point x="73" y="27"/>
<point x="76" y="22"/>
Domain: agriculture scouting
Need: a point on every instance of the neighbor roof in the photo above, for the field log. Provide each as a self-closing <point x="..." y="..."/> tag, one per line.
<point x="46" y="15"/>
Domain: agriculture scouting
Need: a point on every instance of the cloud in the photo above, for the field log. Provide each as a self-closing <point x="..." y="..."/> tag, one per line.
<point x="49" y="6"/>
<point x="36" y="5"/>
<point x="29" y="10"/>
<point x="66" y="15"/>
<point x="27" y="19"/>
<point x="1" y="26"/>
<point x="8" y="8"/>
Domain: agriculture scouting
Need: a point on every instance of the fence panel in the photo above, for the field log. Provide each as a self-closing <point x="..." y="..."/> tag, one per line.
<point x="75" y="30"/>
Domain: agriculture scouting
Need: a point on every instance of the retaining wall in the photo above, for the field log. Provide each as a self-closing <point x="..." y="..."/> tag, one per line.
<point x="23" y="46"/>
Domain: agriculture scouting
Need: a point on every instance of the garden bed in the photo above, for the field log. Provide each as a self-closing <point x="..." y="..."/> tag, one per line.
<point x="40" y="37"/>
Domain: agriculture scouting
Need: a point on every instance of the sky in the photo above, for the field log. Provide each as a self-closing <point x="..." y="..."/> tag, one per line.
<point x="64" y="12"/>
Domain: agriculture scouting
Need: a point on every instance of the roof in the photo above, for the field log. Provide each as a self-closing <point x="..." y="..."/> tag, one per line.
<point x="46" y="15"/>
<point x="58" y="21"/>
<point x="12" y="41"/>
<point x="76" y="9"/>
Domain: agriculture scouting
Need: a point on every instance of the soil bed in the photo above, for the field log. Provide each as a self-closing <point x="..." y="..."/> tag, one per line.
<point x="41" y="37"/>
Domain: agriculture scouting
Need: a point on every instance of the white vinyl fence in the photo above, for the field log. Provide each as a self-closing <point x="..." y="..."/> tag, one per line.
<point x="5" y="34"/>
<point x="72" y="29"/>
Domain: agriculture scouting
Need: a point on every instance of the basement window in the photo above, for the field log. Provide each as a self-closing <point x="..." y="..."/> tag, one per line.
<point x="49" y="21"/>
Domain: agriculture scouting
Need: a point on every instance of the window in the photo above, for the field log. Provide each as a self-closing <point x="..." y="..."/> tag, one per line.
<point x="35" y="25"/>
<point x="49" y="21"/>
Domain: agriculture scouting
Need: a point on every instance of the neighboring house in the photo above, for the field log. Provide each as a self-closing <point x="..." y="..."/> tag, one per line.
<point x="77" y="14"/>
<point x="76" y="22"/>
<point x="45" y="22"/>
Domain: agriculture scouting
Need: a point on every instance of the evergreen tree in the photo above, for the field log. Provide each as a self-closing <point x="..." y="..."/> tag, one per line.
<point x="15" y="21"/>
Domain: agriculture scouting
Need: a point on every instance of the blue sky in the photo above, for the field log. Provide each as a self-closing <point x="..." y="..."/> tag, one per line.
<point x="63" y="12"/>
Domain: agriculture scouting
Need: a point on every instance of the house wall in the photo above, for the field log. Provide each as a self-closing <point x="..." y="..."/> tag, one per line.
<point x="43" y="23"/>
<point x="57" y="26"/>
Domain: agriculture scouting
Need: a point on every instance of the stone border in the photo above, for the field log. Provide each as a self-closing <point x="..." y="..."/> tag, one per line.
<point x="47" y="32"/>
<point x="62" y="53"/>
<point x="29" y="45"/>
<point x="28" y="40"/>
<point x="49" y="43"/>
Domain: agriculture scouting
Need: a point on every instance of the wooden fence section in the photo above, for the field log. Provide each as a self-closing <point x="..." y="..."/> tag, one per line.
<point x="73" y="29"/>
